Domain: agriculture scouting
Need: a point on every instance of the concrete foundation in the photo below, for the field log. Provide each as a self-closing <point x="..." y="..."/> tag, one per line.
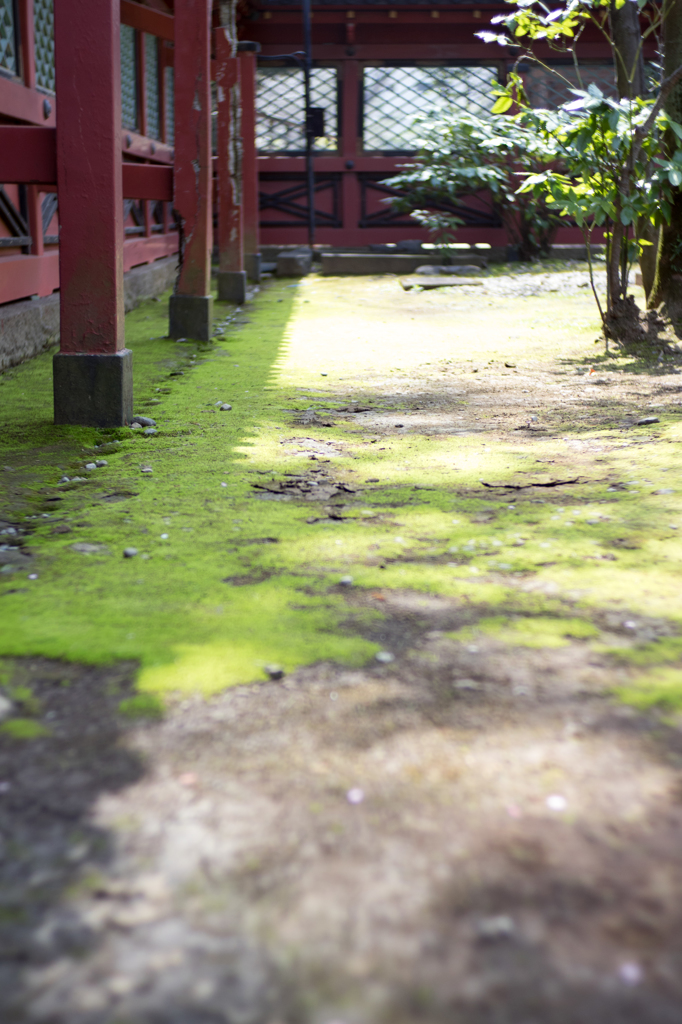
<point x="32" y="325"/>
<point x="232" y="286"/>
<point x="148" y="281"/>
<point x="27" y="328"/>
<point x="335" y="264"/>
<point x="252" y="265"/>
<point x="93" y="390"/>
<point x="190" y="316"/>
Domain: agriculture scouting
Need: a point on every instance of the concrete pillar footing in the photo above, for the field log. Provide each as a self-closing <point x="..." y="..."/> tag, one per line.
<point x="191" y="316"/>
<point x="252" y="261"/>
<point x="93" y="390"/>
<point x="232" y="286"/>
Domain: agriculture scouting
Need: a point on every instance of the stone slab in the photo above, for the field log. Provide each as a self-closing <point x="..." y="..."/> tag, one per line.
<point x="294" y="264"/>
<point x="337" y="264"/>
<point x="93" y="390"/>
<point x="437" y="281"/>
<point x="190" y="316"/>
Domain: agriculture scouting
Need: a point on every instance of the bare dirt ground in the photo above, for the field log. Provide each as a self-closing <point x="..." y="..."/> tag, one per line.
<point x="472" y="833"/>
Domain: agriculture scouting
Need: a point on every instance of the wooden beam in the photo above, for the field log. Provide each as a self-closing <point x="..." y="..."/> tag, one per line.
<point x="28" y="155"/>
<point x="145" y="19"/>
<point x="147" y="181"/>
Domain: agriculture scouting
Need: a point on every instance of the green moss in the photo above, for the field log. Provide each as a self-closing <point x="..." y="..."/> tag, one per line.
<point x="142" y="705"/>
<point x="540" y="631"/>
<point x="238" y="582"/>
<point x="661" y="688"/>
<point x="23" y="729"/>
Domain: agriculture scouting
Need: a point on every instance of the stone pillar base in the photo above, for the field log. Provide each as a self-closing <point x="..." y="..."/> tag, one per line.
<point x="93" y="390"/>
<point x="252" y="265"/>
<point x="232" y="286"/>
<point x="191" y="316"/>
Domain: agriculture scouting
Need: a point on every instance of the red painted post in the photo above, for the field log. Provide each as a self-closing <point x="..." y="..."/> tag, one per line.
<point x="191" y="307"/>
<point x="93" y="382"/>
<point x="231" y="273"/>
<point x="250" y="167"/>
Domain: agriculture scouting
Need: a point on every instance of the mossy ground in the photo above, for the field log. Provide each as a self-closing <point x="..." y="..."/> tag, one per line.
<point x="456" y="390"/>
<point x="475" y="831"/>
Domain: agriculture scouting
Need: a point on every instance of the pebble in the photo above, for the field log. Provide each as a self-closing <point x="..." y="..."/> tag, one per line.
<point x="144" y="421"/>
<point x="346" y="581"/>
<point x="274" y="671"/>
<point x="384" y="657"/>
<point x="91" y="465"/>
<point x="466" y="684"/>
<point x="150" y="432"/>
<point x="64" y="480"/>
<point x="225" y="407"/>
<point x="129" y="552"/>
<point x="146" y="469"/>
<point x="5" y="706"/>
<point x="630" y="973"/>
<point x="646" y="420"/>
<point x="33" y="576"/>
<point x="136" y="426"/>
<point x="499" y="927"/>
<point x="101" y="462"/>
<point x="87" y="549"/>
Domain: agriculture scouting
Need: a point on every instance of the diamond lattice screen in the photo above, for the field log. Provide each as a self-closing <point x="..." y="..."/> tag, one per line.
<point x="169" y="96"/>
<point x="151" y="82"/>
<point x="280" y="109"/>
<point x="8" y="40"/>
<point x="128" y="77"/>
<point x="43" y="31"/>
<point x="551" y="88"/>
<point x="394" y="97"/>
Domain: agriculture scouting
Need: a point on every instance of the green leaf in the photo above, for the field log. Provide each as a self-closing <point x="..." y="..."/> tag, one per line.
<point x="502" y="105"/>
<point x="675" y="177"/>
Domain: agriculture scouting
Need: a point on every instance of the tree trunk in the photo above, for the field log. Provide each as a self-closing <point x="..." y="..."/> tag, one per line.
<point x="627" y="39"/>
<point x="667" y="287"/>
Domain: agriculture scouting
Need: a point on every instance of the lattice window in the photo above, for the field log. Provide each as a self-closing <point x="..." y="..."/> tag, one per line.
<point x="280" y="110"/>
<point x="394" y="97"/>
<point x="151" y="83"/>
<point x="129" y="78"/>
<point x="551" y="88"/>
<point x="43" y="30"/>
<point x="169" y="96"/>
<point x="8" y="37"/>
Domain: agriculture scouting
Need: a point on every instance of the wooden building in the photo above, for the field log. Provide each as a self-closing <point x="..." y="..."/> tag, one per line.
<point x="135" y="130"/>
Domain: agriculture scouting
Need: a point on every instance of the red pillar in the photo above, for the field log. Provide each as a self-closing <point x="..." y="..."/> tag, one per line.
<point x="191" y="310"/>
<point x="93" y="370"/>
<point x="231" y="274"/>
<point x="250" y="166"/>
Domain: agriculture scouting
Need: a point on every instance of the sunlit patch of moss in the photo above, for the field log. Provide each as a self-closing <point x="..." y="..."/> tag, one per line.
<point x="661" y="688"/>
<point x="539" y="631"/>
<point x="239" y="582"/>
<point x="23" y="729"/>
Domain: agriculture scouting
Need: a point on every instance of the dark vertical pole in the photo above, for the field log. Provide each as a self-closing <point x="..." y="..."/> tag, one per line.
<point x="93" y="370"/>
<point x="309" y="137"/>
